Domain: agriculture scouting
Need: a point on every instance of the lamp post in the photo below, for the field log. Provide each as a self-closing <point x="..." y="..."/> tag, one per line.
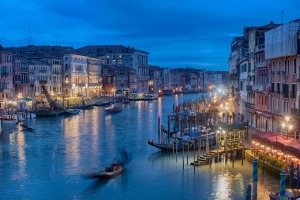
<point x="65" y="90"/>
<point x="287" y="126"/>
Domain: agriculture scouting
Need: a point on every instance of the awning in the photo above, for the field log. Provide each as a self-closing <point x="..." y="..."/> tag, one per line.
<point x="280" y="141"/>
<point x="27" y="99"/>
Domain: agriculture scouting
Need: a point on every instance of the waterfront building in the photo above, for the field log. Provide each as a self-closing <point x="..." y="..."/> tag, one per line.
<point x="156" y="80"/>
<point x="282" y="52"/>
<point x="240" y="71"/>
<point x="119" y="80"/>
<point x="200" y="79"/>
<point x="258" y="89"/>
<point x="7" y="62"/>
<point x="42" y="74"/>
<point x="94" y="77"/>
<point x="175" y="80"/>
<point x="166" y="79"/>
<point x="269" y="75"/>
<point x="55" y="63"/>
<point x="22" y="85"/>
<point x="75" y="74"/>
<point x="119" y="55"/>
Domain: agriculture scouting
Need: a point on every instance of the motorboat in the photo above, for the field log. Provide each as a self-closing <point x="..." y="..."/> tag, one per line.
<point x="113" y="109"/>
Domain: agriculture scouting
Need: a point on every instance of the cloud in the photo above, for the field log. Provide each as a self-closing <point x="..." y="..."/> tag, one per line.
<point x="175" y="32"/>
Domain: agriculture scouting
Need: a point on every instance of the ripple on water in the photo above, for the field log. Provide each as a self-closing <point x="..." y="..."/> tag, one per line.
<point x="50" y="161"/>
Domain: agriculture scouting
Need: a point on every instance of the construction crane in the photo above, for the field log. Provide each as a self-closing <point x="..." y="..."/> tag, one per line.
<point x="53" y="105"/>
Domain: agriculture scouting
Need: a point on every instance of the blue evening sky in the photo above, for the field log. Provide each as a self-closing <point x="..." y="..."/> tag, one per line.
<point x="177" y="33"/>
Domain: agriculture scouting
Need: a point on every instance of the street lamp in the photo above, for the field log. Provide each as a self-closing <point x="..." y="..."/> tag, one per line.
<point x="20" y="96"/>
<point x="286" y="126"/>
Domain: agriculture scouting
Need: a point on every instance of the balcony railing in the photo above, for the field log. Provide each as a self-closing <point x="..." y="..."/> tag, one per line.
<point x="260" y="47"/>
<point x="285" y="94"/>
<point x="4" y="73"/>
<point x="249" y="105"/>
<point x="293" y="95"/>
<point x="249" y="88"/>
<point x="295" y="112"/>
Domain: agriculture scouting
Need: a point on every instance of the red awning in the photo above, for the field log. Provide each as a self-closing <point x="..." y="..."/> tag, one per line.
<point x="290" y="144"/>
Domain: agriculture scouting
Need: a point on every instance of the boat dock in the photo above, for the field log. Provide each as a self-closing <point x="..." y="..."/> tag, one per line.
<point x="193" y="128"/>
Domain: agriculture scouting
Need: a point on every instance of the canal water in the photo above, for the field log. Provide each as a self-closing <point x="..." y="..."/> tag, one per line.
<point x="50" y="162"/>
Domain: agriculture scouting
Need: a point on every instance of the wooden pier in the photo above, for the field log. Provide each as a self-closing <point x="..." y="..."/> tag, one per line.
<point x="195" y="120"/>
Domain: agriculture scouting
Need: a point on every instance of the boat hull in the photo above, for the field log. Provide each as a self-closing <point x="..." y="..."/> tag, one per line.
<point x="170" y="147"/>
<point x="47" y="113"/>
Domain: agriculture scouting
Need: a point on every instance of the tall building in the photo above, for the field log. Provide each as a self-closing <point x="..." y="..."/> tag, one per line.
<point x="7" y="61"/>
<point x="121" y="56"/>
<point x="258" y="97"/>
<point x="282" y="52"/>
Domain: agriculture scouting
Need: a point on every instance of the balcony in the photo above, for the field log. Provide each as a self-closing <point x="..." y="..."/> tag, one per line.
<point x="249" y="105"/>
<point x="4" y="73"/>
<point x="260" y="47"/>
<point x="293" y="95"/>
<point x="249" y="88"/>
<point x="285" y="94"/>
<point x="283" y="72"/>
<point x="295" y="112"/>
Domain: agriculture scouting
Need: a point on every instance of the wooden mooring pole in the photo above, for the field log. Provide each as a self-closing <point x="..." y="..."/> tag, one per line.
<point x="187" y="155"/>
<point x="194" y="155"/>
<point x="232" y="157"/>
<point x="158" y="129"/>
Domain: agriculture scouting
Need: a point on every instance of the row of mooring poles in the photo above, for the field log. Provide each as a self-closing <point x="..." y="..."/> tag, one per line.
<point x="292" y="175"/>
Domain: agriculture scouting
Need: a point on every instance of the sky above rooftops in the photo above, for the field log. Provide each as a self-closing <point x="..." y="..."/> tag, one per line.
<point x="190" y="33"/>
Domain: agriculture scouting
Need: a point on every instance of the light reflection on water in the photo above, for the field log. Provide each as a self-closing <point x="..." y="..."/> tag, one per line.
<point x="50" y="162"/>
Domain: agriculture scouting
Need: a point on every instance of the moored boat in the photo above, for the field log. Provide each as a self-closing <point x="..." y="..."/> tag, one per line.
<point x="113" y="109"/>
<point x="103" y="103"/>
<point x="292" y="194"/>
<point x="27" y="127"/>
<point x="125" y="101"/>
<point x="171" y="147"/>
<point x="71" y="111"/>
<point x="49" y="113"/>
<point x="84" y="107"/>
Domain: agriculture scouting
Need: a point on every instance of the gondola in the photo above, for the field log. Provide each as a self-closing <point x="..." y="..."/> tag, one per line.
<point x="108" y="172"/>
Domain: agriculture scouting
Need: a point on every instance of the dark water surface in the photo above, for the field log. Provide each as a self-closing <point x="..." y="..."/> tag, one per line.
<point x="49" y="163"/>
